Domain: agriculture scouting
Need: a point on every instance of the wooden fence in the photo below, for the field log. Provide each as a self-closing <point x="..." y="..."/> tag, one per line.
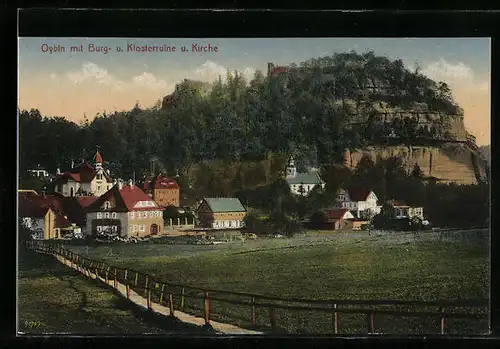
<point x="262" y="310"/>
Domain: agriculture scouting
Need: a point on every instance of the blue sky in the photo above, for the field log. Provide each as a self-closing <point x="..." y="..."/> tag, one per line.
<point x="71" y="84"/>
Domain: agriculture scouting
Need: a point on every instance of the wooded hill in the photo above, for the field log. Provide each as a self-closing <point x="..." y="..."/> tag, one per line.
<point x="302" y="113"/>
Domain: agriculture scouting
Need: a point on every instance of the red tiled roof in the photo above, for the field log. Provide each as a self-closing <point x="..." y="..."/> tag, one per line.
<point x="98" y="158"/>
<point x="125" y="199"/>
<point x="83" y="172"/>
<point x="359" y="194"/>
<point x="336" y="213"/>
<point x="85" y="201"/>
<point x="279" y="70"/>
<point x="160" y="182"/>
<point x="32" y="208"/>
<point x="395" y="203"/>
<point x="61" y="221"/>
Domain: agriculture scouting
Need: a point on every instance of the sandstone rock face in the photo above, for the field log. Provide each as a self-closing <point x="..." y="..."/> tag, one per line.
<point x="458" y="165"/>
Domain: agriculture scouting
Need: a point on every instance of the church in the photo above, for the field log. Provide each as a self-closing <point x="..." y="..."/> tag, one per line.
<point x="302" y="183"/>
<point x="84" y="179"/>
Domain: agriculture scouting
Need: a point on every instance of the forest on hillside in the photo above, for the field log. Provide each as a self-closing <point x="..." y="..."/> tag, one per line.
<point x="303" y="112"/>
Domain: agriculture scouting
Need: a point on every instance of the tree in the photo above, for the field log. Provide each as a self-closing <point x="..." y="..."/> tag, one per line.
<point x="417" y="172"/>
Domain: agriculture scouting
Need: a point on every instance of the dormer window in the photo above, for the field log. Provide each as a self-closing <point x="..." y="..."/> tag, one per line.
<point x="107" y="205"/>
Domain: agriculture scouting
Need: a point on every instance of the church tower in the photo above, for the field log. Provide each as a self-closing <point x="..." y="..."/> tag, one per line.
<point x="291" y="170"/>
<point x="98" y="161"/>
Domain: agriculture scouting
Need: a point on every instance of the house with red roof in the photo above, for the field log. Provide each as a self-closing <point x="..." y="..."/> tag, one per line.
<point x="42" y="215"/>
<point x="362" y="201"/>
<point x="340" y="217"/>
<point x="84" y="179"/>
<point x="124" y="210"/>
<point x="164" y="190"/>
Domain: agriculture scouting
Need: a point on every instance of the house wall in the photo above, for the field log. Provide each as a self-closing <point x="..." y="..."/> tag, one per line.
<point x="166" y="197"/>
<point x="92" y="222"/>
<point x="140" y="222"/>
<point x="99" y="186"/>
<point x="295" y="188"/>
<point x="66" y="188"/>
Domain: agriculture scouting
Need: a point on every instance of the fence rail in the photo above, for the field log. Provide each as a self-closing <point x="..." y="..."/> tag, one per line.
<point x="175" y="297"/>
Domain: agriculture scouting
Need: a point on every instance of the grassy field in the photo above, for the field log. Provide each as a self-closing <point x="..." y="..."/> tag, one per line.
<point x="53" y="298"/>
<point x="403" y="266"/>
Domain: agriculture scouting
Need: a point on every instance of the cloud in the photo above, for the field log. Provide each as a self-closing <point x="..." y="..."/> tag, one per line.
<point x="210" y="71"/>
<point x="445" y="71"/>
<point x="92" y="72"/>
<point x="148" y="80"/>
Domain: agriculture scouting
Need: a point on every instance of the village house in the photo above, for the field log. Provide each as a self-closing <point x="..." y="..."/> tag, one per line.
<point x="42" y="216"/>
<point x="164" y="190"/>
<point x="84" y="179"/>
<point x="301" y="183"/>
<point x="220" y="213"/>
<point x="401" y="210"/>
<point x="340" y="217"/>
<point x="362" y="201"/>
<point x="124" y="210"/>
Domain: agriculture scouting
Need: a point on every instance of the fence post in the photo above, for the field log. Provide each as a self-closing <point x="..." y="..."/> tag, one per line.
<point x="116" y="279"/>
<point x="149" y="298"/>
<point x="136" y="277"/>
<point x="182" y="298"/>
<point x="253" y="311"/>
<point x="442" y="320"/>
<point x="272" y="316"/>
<point x="335" y="319"/>
<point x="146" y="287"/>
<point x="371" y="316"/>
<point x="128" y="290"/>
<point x="207" y="308"/>
<point x="171" y="304"/>
<point x="126" y="270"/>
<point x="161" y="294"/>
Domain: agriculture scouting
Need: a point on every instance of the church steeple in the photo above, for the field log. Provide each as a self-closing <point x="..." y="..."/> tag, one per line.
<point x="98" y="160"/>
<point x="291" y="170"/>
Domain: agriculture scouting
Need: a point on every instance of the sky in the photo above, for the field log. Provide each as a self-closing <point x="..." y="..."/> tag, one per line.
<point x="77" y="84"/>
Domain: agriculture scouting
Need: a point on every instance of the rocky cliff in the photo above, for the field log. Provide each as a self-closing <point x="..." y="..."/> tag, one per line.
<point x="449" y="163"/>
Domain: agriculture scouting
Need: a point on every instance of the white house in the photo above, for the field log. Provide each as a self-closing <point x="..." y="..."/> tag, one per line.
<point x="84" y="179"/>
<point x="402" y="210"/>
<point x="362" y="201"/>
<point x="302" y="183"/>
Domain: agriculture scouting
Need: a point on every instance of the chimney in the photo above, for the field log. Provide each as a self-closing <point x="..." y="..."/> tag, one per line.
<point x="58" y="171"/>
<point x="72" y="164"/>
<point x="120" y="185"/>
<point x="108" y="171"/>
<point x="130" y="183"/>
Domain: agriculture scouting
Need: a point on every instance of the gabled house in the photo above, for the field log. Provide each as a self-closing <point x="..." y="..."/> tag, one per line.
<point x="84" y="179"/>
<point x="362" y="201"/>
<point x="220" y="213"/>
<point x="302" y="183"/>
<point x="340" y="217"/>
<point x="164" y="190"/>
<point x="42" y="216"/>
<point x="124" y="210"/>
<point x="401" y="210"/>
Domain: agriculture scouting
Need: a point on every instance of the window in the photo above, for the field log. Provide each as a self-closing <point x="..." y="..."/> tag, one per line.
<point x="107" y="204"/>
<point x="143" y="227"/>
<point x="132" y="214"/>
<point x="106" y="215"/>
<point x="151" y="214"/>
<point x="99" y="215"/>
<point x="99" y="228"/>
<point x="131" y="228"/>
<point x="98" y="188"/>
<point x="113" y="215"/>
<point x="114" y="228"/>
